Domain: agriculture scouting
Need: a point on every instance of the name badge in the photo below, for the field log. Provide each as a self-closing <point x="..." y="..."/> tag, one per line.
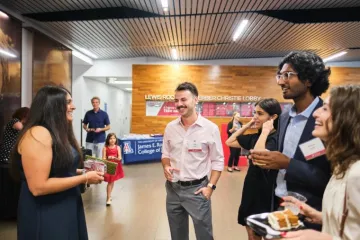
<point x="313" y="148"/>
<point x="194" y="146"/>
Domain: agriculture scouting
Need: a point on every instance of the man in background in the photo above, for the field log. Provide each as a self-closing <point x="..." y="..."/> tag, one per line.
<point x="95" y="123"/>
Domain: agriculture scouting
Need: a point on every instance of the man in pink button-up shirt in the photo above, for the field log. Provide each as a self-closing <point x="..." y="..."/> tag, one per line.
<point x="191" y="150"/>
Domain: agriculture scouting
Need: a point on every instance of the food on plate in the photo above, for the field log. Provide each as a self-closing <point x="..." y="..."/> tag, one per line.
<point x="283" y="220"/>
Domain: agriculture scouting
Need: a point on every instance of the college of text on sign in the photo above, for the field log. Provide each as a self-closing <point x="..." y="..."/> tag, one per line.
<point x="142" y="147"/>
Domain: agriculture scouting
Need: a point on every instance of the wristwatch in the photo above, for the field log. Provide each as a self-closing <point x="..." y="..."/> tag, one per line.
<point x="212" y="186"/>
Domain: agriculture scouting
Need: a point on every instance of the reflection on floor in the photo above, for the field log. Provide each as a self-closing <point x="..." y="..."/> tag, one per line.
<point x="138" y="210"/>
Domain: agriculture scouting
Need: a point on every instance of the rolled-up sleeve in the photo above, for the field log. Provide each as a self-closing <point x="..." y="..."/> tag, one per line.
<point x="166" y="145"/>
<point x="216" y="151"/>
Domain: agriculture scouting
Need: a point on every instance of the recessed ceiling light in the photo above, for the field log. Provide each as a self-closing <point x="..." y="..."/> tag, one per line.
<point x="114" y="80"/>
<point x="7" y="53"/>
<point x="165" y="5"/>
<point x="3" y="15"/>
<point x="240" y="29"/>
<point x="122" y="82"/>
<point x="334" y="56"/>
<point x="174" y="53"/>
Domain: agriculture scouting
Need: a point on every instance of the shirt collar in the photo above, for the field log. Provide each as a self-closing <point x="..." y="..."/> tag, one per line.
<point x="199" y="121"/>
<point x="307" y="112"/>
<point x="97" y="111"/>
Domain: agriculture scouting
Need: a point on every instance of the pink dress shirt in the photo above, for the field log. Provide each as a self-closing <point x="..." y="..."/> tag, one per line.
<point x="193" y="164"/>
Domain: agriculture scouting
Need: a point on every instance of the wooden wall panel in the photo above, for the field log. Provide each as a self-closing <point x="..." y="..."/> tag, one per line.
<point x="210" y="81"/>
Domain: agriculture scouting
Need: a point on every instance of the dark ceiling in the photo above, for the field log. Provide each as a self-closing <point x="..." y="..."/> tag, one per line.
<point x="200" y="29"/>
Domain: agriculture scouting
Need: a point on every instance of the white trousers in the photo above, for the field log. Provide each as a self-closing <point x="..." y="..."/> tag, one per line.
<point x="96" y="148"/>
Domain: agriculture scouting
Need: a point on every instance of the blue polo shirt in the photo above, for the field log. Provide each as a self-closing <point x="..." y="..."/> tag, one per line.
<point x="98" y="119"/>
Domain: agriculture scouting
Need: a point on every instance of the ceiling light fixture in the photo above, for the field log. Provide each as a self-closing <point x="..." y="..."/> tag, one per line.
<point x="82" y="57"/>
<point x="165" y="5"/>
<point x="87" y="52"/>
<point x="6" y="53"/>
<point x="174" y="53"/>
<point x="240" y="29"/>
<point x="120" y="82"/>
<point x="128" y="89"/>
<point x="123" y="82"/>
<point x="334" y="56"/>
<point x="3" y="15"/>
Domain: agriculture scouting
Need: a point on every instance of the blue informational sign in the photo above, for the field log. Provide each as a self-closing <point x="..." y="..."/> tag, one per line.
<point x="105" y="107"/>
<point x="139" y="150"/>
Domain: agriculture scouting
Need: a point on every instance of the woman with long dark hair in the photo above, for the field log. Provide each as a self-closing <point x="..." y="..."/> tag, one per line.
<point x="45" y="158"/>
<point x="258" y="184"/>
<point x="232" y="127"/>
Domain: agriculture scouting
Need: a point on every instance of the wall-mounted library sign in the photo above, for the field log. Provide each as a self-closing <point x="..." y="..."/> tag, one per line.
<point x="206" y="98"/>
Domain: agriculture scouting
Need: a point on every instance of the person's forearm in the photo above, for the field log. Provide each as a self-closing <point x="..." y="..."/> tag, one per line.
<point x="165" y="162"/>
<point x="237" y="133"/>
<point x="215" y="175"/>
<point x="55" y="185"/>
<point x="261" y="142"/>
<point x="85" y="127"/>
<point x="319" y="217"/>
<point x="106" y="128"/>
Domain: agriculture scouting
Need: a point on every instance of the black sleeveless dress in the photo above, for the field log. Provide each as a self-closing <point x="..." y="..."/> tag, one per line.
<point x="258" y="184"/>
<point x="57" y="216"/>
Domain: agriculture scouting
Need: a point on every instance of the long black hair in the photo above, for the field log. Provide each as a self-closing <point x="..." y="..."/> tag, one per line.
<point x="49" y="109"/>
<point x="270" y="106"/>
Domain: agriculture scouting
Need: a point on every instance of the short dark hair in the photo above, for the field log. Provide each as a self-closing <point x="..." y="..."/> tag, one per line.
<point x="21" y="113"/>
<point x="270" y="106"/>
<point x="311" y="67"/>
<point x="187" y="86"/>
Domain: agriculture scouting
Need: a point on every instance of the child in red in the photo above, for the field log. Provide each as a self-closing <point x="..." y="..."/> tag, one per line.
<point x="112" y="152"/>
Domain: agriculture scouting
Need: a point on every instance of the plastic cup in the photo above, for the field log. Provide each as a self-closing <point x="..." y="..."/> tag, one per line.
<point x="291" y="206"/>
<point x="298" y="196"/>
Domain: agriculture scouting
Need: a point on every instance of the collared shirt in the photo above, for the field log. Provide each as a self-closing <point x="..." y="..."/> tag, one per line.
<point x="98" y="119"/>
<point x="291" y="141"/>
<point x="178" y="144"/>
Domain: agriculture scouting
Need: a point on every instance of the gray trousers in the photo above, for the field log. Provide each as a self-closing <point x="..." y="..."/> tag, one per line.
<point x="181" y="202"/>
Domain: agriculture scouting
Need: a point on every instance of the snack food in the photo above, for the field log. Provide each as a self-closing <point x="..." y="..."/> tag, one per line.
<point x="110" y="167"/>
<point x="92" y="165"/>
<point x="283" y="220"/>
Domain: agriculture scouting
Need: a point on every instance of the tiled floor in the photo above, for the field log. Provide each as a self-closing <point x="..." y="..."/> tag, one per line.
<point x="138" y="209"/>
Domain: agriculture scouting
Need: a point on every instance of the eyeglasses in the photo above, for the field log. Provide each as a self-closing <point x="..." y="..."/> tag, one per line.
<point x="285" y="76"/>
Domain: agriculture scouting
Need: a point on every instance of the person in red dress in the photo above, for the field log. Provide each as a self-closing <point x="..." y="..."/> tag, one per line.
<point x="112" y="152"/>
